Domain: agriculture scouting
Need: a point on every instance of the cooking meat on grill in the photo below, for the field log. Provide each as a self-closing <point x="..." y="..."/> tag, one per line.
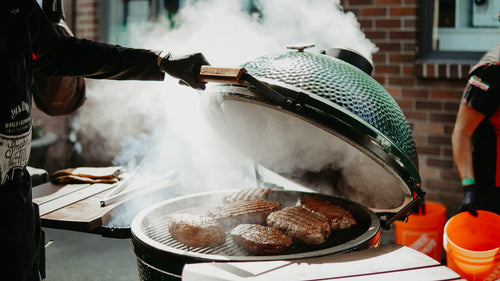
<point x="301" y="224"/>
<point x="247" y="194"/>
<point x="256" y="211"/>
<point x="338" y="217"/>
<point x="260" y="240"/>
<point x="196" y="231"/>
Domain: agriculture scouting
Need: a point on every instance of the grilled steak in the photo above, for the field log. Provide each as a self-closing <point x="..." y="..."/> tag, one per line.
<point x="301" y="224"/>
<point x="236" y="213"/>
<point x="196" y="231"/>
<point x="260" y="240"/>
<point x="247" y="194"/>
<point x="338" y="217"/>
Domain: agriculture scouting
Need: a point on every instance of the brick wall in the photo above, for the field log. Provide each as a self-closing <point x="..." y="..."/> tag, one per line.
<point x="87" y="19"/>
<point x="428" y="93"/>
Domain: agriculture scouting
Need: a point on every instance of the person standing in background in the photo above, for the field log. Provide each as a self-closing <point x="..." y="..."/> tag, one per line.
<point x="26" y="33"/>
<point x="476" y="136"/>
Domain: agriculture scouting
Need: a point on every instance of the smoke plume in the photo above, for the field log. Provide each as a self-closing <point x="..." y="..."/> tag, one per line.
<point x="159" y="125"/>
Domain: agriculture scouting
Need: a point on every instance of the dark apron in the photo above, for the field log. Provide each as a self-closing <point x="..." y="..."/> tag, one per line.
<point x="20" y="234"/>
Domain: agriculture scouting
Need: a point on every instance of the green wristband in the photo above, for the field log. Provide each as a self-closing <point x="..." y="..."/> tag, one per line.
<point x="467" y="181"/>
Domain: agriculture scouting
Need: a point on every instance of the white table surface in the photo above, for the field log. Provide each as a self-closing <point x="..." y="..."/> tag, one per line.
<point x="393" y="262"/>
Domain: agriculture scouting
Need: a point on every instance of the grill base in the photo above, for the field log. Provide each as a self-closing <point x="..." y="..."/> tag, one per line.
<point x="148" y="272"/>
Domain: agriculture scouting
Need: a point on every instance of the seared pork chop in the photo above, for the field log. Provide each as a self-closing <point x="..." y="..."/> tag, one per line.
<point x="301" y="224"/>
<point x="255" y="211"/>
<point x="338" y="217"/>
<point x="196" y="231"/>
<point x="260" y="240"/>
<point x="247" y="194"/>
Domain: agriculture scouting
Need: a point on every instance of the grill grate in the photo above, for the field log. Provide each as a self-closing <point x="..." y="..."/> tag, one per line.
<point x="157" y="230"/>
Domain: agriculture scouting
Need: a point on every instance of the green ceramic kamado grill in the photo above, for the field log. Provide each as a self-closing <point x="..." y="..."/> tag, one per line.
<point x="318" y="120"/>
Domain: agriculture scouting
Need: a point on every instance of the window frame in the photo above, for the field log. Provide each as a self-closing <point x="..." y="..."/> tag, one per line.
<point x="426" y="53"/>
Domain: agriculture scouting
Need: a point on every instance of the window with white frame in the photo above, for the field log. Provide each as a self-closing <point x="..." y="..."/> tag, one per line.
<point x="467" y="25"/>
<point x="458" y="29"/>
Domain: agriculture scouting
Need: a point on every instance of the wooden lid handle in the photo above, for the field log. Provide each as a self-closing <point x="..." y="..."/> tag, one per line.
<point x="221" y="74"/>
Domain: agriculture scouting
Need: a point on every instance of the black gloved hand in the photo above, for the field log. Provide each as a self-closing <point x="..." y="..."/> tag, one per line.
<point x="469" y="200"/>
<point x="185" y="68"/>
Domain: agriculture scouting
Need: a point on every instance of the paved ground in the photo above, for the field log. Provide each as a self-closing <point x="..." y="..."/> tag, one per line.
<point x="79" y="256"/>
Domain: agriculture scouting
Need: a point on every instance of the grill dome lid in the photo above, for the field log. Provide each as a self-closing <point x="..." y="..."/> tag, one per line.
<point x="340" y="83"/>
<point x="350" y="139"/>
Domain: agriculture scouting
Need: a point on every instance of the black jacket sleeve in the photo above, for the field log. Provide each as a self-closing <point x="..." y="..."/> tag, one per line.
<point x="71" y="56"/>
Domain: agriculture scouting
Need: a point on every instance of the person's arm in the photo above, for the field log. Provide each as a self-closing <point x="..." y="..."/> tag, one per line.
<point x="71" y="56"/>
<point x="468" y="119"/>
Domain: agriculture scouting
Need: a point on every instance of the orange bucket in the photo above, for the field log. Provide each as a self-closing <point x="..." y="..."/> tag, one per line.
<point x="472" y="245"/>
<point x="424" y="232"/>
